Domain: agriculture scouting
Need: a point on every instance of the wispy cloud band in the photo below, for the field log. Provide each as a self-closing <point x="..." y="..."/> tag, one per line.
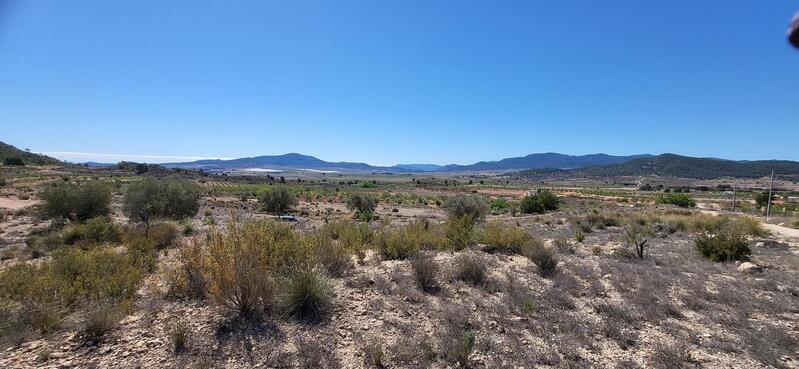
<point x="80" y="157"/>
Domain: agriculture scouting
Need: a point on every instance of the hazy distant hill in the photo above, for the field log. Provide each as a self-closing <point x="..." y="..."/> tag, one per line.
<point x="8" y="151"/>
<point x="292" y="160"/>
<point x="418" y="167"/>
<point x="544" y="160"/>
<point x="299" y="161"/>
<point x="686" y="166"/>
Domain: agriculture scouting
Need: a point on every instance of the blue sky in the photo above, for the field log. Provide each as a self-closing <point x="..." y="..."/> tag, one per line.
<point x="387" y="82"/>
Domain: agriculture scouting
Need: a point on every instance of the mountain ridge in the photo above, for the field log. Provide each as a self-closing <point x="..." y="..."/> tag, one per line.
<point x="300" y="161"/>
<point x="682" y="166"/>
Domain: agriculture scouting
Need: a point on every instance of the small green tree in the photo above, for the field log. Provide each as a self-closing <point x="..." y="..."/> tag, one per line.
<point x="540" y="202"/>
<point x="277" y="199"/>
<point x="682" y="200"/>
<point x="363" y="205"/>
<point x="635" y="235"/>
<point x="460" y="206"/>
<point x="76" y="202"/>
<point x="761" y="198"/>
<point x="13" y="160"/>
<point x="153" y="198"/>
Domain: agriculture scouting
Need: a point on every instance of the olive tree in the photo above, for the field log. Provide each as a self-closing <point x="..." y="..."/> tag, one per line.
<point x="363" y="205"/>
<point x="277" y="199"/>
<point x="153" y="198"/>
<point x="76" y="202"/>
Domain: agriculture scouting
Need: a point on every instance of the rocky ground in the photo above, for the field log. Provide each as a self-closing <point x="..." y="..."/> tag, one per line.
<point x="672" y="309"/>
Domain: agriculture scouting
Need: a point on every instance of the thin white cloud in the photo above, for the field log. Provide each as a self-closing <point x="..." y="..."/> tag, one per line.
<point x="80" y="157"/>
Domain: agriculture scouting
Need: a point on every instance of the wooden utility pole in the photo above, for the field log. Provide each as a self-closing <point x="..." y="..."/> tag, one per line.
<point x="733" y="196"/>
<point x="770" y="187"/>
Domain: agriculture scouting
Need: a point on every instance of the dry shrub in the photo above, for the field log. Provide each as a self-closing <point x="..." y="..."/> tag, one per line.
<point x="314" y="354"/>
<point x="178" y="332"/>
<point x="425" y="270"/>
<point x="188" y="279"/>
<point x="544" y="258"/>
<point x="460" y="232"/>
<point x="353" y="237"/>
<point x="332" y="255"/>
<point x="162" y="234"/>
<point x="99" y="319"/>
<point x="471" y="268"/>
<point x="671" y="356"/>
<point x="374" y="354"/>
<point x="456" y="337"/>
<point x="500" y="237"/>
<point x="245" y="259"/>
<point x="403" y="242"/>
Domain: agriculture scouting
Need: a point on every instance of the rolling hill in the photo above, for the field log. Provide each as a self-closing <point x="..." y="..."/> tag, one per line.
<point x="673" y="165"/>
<point x="286" y="161"/>
<point x="543" y="160"/>
<point x="9" y="151"/>
<point x="299" y="161"/>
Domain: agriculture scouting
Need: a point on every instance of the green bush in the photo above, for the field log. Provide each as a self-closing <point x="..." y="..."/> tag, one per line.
<point x="12" y="160"/>
<point x="682" y="200"/>
<point x="153" y="198"/>
<point x="500" y="205"/>
<point x="460" y="232"/>
<point x="76" y="202"/>
<point x="723" y="247"/>
<point x="363" y="205"/>
<point x="73" y="278"/>
<point x="539" y="203"/>
<point x="466" y="207"/>
<point x="396" y="243"/>
<point x="162" y="234"/>
<point x="761" y="198"/>
<point x="277" y="199"/>
<point x="500" y="237"/>
<point x="308" y="295"/>
<point x="95" y="231"/>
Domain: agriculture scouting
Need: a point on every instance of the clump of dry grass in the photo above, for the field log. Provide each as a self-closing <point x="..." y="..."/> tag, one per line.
<point x="500" y="237"/>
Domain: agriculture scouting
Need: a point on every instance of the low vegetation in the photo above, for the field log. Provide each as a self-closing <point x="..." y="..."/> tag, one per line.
<point x="152" y="198"/>
<point x="363" y="205"/>
<point x="76" y="202"/>
<point x="277" y="199"/>
<point x="682" y="200"/>
<point x="540" y="202"/>
<point x="723" y="247"/>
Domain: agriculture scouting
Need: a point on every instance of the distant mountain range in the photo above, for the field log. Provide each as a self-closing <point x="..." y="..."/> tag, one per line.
<point x="530" y="166"/>
<point x="544" y="160"/>
<point x="672" y="165"/>
<point x="299" y="161"/>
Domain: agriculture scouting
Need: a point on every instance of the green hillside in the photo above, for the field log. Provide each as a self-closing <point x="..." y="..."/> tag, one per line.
<point x="29" y="158"/>
<point x="690" y="167"/>
<point x="671" y="165"/>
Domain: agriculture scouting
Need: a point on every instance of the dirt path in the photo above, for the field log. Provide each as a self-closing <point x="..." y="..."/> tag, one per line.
<point x="14" y="204"/>
<point x="790" y="235"/>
